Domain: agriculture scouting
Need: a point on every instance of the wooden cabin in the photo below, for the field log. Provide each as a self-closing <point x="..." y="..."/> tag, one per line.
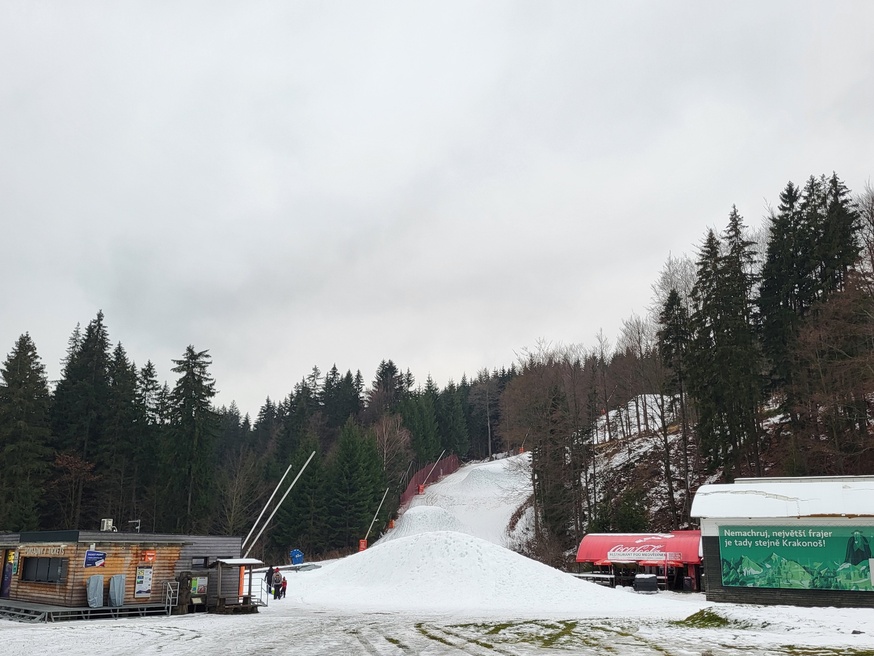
<point x="55" y="567"/>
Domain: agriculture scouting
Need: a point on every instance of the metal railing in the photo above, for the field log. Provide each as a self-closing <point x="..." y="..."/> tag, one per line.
<point x="171" y="595"/>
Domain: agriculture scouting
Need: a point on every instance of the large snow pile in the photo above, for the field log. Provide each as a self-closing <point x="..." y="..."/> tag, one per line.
<point x="451" y="572"/>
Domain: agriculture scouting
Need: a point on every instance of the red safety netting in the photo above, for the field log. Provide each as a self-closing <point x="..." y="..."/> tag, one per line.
<point x="428" y="474"/>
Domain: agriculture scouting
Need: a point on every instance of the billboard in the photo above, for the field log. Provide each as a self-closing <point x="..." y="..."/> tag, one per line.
<point x="797" y="557"/>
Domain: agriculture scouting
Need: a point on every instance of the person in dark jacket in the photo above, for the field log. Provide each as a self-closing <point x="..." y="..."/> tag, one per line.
<point x="269" y="578"/>
<point x="277" y="584"/>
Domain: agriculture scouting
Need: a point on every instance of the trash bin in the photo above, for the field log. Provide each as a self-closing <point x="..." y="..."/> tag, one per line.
<point x="646" y="583"/>
<point x="687" y="584"/>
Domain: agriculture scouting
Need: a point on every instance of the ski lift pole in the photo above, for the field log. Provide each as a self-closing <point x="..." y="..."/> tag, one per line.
<point x="384" y="494"/>
<point x="404" y="475"/>
<point x="275" y="490"/>
<point x="245" y="555"/>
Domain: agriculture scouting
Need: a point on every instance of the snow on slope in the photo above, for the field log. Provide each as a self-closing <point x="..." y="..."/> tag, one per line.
<point x="481" y="497"/>
<point x="450" y="572"/>
<point x="424" y="519"/>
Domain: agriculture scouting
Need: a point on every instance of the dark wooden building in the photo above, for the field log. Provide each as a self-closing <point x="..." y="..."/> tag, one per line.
<point x="799" y="541"/>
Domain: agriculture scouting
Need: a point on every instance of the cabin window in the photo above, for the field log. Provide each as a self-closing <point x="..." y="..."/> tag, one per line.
<point x="43" y="570"/>
<point x="199" y="562"/>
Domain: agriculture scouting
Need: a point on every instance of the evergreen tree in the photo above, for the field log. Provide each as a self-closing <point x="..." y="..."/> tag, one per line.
<point x="839" y="249"/>
<point x="265" y="432"/>
<point x="78" y="416"/>
<point x="450" y="419"/>
<point x="153" y="404"/>
<point x="24" y="433"/>
<point x="420" y="417"/>
<point x="725" y="376"/>
<point x="194" y="428"/>
<point x="390" y="388"/>
<point x="349" y="396"/>
<point x="808" y="244"/>
<point x="738" y="350"/>
<point x="117" y="451"/>
<point x="331" y="397"/>
<point x="704" y="375"/>
<point x="231" y="435"/>
<point x="674" y="344"/>
<point x="356" y="486"/>
<point x="780" y="305"/>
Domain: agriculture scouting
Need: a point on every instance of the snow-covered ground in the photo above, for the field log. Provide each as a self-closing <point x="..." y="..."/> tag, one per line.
<point x="441" y="582"/>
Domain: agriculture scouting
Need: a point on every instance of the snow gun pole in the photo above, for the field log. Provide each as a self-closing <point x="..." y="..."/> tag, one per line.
<point x="246" y="555"/>
<point x="434" y="467"/>
<point x="366" y="535"/>
<point x="404" y="475"/>
<point x="275" y="490"/>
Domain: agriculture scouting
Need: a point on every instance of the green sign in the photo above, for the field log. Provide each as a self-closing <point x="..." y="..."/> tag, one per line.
<point x="801" y="557"/>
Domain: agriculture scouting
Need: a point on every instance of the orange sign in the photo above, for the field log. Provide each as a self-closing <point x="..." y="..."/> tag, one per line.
<point x="148" y="555"/>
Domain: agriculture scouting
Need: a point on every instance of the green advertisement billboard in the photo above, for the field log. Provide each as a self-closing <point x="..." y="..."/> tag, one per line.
<point x="801" y="557"/>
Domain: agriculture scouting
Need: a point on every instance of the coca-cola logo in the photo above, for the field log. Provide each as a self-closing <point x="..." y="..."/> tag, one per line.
<point x="643" y="548"/>
<point x="642" y="552"/>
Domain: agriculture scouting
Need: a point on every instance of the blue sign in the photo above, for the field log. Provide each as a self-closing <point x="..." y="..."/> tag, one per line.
<point x="95" y="558"/>
<point x="296" y="556"/>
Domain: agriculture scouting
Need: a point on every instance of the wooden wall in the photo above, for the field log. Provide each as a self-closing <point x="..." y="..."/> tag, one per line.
<point x="120" y="559"/>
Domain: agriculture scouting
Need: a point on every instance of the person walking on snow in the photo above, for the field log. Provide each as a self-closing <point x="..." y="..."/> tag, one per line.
<point x="284" y="586"/>
<point x="277" y="583"/>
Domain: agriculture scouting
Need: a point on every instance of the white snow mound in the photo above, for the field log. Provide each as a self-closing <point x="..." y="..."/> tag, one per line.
<point x="450" y="572"/>
<point x="422" y="519"/>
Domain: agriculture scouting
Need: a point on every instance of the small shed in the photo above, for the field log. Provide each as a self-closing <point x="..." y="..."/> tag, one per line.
<point x="237" y="589"/>
<point x="803" y="541"/>
<point x="617" y="557"/>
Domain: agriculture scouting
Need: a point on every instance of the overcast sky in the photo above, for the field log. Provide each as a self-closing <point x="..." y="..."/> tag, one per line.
<point x="444" y="184"/>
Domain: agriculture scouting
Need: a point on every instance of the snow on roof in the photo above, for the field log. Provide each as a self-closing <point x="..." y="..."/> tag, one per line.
<point x="787" y="497"/>
<point x="239" y="562"/>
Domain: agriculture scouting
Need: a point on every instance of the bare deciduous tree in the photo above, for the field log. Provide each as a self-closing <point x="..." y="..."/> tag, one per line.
<point x="240" y="492"/>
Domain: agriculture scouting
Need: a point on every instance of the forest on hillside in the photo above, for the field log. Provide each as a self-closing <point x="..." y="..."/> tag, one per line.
<point x="758" y="353"/>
